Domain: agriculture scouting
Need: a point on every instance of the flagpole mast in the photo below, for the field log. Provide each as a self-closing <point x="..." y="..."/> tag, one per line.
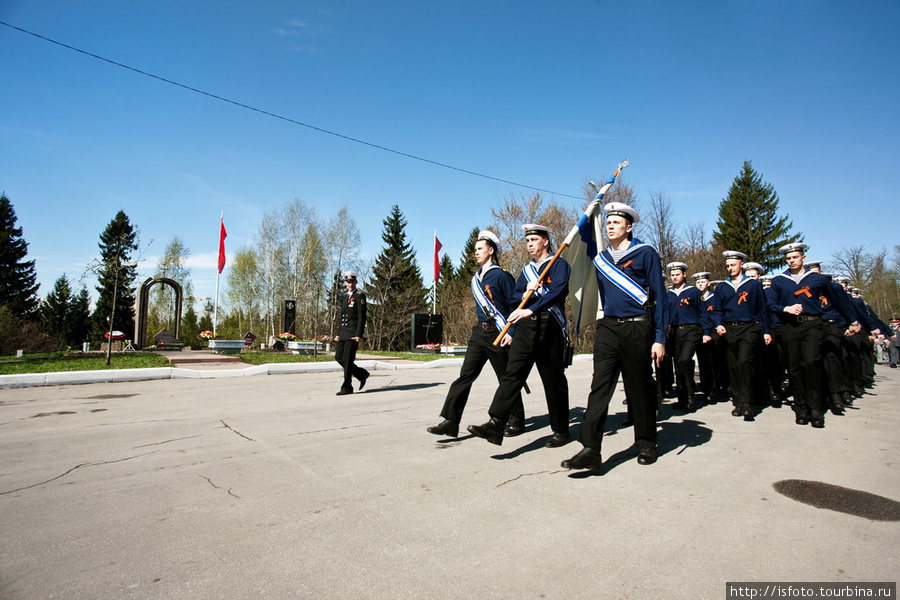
<point x="569" y="238"/>
<point x="218" y="272"/>
<point x="435" y="278"/>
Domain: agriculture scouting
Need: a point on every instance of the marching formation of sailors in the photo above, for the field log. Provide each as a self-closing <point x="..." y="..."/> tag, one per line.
<point x="757" y="338"/>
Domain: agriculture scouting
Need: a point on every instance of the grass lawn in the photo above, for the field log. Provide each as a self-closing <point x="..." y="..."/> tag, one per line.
<point x="78" y="361"/>
<point x="95" y="361"/>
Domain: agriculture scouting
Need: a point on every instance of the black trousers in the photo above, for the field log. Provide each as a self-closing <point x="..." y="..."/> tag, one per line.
<point x="720" y="362"/>
<point x="345" y="355"/>
<point x="743" y="340"/>
<point x="540" y="341"/>
<point x="803" y="348"/>
<point x="774" y="362"/>
<point x="852" y="353"/>
<point x="836" y="371"/>
<point x="621" y="348"/>
<point x="687" y="341"/>
<point x="480" y="350"/>
<point x="706" y="366"/>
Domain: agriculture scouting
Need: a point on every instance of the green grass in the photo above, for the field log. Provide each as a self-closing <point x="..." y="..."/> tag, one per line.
<point x="425" y="357"/>
<point x="264" y="358"/>
<point x="95" y="361"/>
<point x="77" y="361"/>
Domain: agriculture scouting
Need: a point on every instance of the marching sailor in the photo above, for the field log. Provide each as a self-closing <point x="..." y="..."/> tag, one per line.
<point x="629" y="338"/>
<point x="541" y="339"/>
<point x="493" y="288"/>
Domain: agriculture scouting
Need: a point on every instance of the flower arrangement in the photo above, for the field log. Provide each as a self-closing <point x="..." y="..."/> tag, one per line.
<point x="207" y="335"/>
<point x="286" y="337"/>
<point x="324" y="338"/>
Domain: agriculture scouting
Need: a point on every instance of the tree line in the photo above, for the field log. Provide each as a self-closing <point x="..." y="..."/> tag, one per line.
<point x="297" y="255"/>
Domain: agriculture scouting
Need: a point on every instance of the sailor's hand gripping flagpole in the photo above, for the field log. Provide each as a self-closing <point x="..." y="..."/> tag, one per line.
<point x="588" y="213"/>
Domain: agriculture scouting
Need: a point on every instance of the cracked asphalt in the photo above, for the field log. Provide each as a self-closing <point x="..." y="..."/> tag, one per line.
<point x="273" y="487"/>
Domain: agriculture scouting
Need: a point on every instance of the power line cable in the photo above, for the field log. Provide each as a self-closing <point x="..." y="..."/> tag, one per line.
<point x="283" y="118"/>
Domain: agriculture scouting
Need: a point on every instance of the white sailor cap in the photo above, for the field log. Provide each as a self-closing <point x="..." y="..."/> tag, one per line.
<point x="672" y="266"/>
<point x="535" y="229"/>
<point x="828" y="275"/>
<point x="766" y="277"/>
<point x="734" y="254"/>
<point x="755" y="265"/>
<point x="701" y="275"/>
<point x="491" y="237"/>
<point x="795" y="247"/>
<point x="842" y="279"/>
<point x="620" y="209"/>
<point x="349" y="275"/>
<point x="813" y="263"/>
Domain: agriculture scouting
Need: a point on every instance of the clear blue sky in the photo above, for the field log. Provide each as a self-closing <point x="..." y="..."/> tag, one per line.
<point x="543" y="93"/>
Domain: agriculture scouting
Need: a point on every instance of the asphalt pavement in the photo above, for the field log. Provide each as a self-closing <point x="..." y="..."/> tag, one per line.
<point x="270" y="486"/>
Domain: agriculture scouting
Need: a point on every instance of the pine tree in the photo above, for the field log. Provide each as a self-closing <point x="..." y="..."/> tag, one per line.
<point x="396" y="291"/>
<point x="116" y="274"/>
<point x="749" y="222"/>
<point x="18" y="287"/>
<point x="54" y="310"/>
<point x="79" y="318"/>
<point x="467" y="264"/>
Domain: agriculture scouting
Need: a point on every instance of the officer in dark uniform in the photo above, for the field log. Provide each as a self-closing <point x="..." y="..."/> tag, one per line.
<point x="630" y="337"/>
<point x="541" y="339"/>
<point x="350" y="333"/>
<point x="740" y="316"/>
<point x="492" y="288"/>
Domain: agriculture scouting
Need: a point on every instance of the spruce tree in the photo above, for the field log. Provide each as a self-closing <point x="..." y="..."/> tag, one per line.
<point x="749" y="222"/>
<point x="79" y="326"/>
<point x="116" y="274"/>
<point x="18" y="287"/>
<point x="467" y="264"/>
<point x="54" y="310"/>
<point x="396" y="291"/>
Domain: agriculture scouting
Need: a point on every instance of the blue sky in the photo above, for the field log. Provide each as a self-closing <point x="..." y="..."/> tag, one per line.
<point x="542" y="93"/>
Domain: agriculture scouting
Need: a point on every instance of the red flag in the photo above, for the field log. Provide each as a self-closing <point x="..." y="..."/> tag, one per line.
<point x="222" y="235"/>
<point x="437" y="261"/>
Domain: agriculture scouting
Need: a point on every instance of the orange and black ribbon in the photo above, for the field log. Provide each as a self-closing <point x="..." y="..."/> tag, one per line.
<point x="804" y="290"/>
<point x="742" y="297"/>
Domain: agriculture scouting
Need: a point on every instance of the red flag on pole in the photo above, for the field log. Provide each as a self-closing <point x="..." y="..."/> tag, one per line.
<point x="437" y="261"/>
<point x="222" y="235"/>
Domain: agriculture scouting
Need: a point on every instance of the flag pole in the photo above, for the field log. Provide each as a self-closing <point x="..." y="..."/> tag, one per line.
<point x="569" y="238"/>
<point x="219" y="266"/>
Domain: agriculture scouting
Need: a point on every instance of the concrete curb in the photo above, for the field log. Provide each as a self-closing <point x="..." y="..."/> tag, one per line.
<point x="120" y="375"/>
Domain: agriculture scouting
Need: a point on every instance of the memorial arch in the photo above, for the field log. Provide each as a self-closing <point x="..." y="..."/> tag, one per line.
<point x="143" y="308"/>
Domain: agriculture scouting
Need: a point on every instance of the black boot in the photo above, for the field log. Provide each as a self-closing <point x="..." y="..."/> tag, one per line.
<point x="588" y="458"/>
<point x="445" y="427"/>
<point x="492" y="431"/>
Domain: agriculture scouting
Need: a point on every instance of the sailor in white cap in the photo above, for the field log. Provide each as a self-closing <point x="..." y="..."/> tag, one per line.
<point x="687" y="316"/>
<point x="706" y="356"/>
<point x="754" y="270"/>
<point x="350" y="333"/>
<point x="798" y="294"/>
<point x="629" y="338"/>
<point x="492" y="288"/>
<point x="740" y="315"/>
<point x="541" y="339"/>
